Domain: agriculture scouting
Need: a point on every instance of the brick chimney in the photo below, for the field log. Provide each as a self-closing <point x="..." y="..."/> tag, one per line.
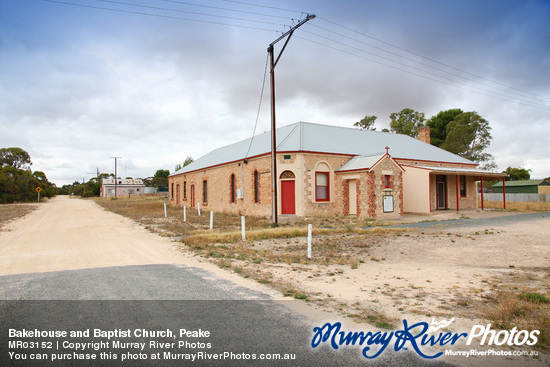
<point x="424" y="134"/>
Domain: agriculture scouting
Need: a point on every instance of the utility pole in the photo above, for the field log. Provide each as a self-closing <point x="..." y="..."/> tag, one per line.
<point x="116" y="177"/>
<point x="273" y="63"/>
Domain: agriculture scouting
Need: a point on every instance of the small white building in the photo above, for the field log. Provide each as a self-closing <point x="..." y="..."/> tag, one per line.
<point x="123" y="187"/>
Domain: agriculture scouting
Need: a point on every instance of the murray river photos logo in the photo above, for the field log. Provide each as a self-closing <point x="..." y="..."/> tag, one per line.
<point x="418" y="336"/>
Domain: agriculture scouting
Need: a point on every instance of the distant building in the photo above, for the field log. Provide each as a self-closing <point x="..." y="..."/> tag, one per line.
<point x="524" y="187"/>
<point x="124" y="187"/>
<point x="329" y="170"/>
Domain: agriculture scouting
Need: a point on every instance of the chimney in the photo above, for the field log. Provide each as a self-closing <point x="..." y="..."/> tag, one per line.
<point x="424" y="134"/>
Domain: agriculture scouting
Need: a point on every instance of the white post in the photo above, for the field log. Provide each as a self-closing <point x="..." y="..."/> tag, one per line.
<point x="309" y="230"/>
<point x="185" y="213"/>
<point x="199" y="208"/>
<point x="243" y="228"/>
<point x="39" y="196"/>
<point x="211" y="220"/>
<point x="165" y="214"/>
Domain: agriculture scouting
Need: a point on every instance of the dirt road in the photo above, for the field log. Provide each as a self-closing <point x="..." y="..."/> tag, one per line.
<point x="71" y="234"/>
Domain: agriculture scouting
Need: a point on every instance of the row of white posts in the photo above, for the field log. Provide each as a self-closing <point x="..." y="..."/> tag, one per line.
<point x="243" y="226"/>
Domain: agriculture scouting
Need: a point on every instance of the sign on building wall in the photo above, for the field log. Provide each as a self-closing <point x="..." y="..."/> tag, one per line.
<point x="388" y="203"/>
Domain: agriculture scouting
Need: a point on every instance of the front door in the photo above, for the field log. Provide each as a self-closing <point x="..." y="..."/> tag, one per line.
<point x="178" y="194"/>
<point x="192" y="196"/>
<point x="288" y="197"/>
<point x="441" y="192"/>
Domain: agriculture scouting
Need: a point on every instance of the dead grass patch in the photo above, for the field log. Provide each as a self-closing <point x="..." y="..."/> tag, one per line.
<point x="518" y="206"/>
<point x="9" y="212"/>
<point x="149" y="211"/>
<point x="523" y="309"/>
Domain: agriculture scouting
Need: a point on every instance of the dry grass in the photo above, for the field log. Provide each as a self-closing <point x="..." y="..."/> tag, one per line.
<point x="340" y="245"/>
<point x="523" y="309"/>
<point x="10" y="212"/>
<point x="149" y="211"/>
<point x="280" y="233"/>
<point x="518" y="206"/>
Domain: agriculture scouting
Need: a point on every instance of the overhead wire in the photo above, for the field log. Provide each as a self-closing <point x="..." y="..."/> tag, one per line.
<point x="416" y="71"/>
<point x="259" y="105"/>
<point x="415" y="61"/>
<point x="158" y="15"/>
<point x="427" y="58"/>
<point x="420" y="75"/>
<point x="187" y="12"/>
<point x="525" y="97"/>
<point x="225" y="9"/>
<point x="452" y="76"/>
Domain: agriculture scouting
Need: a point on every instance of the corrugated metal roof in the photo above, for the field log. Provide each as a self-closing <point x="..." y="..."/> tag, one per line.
<point x="464" y="171"/>
<point x="523" y="183"/>
<point x="305" y="136"/>
<point x="360" y="162"/>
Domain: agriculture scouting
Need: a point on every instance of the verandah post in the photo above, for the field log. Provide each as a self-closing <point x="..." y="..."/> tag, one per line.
<point x="481" y="192"/>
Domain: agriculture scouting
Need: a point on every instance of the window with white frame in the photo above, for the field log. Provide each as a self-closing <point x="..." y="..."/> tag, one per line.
<point x="322" y="186"/>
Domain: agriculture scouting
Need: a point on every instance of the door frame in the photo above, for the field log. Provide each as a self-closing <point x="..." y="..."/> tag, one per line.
<point x="441" y="191"/>
<point x="288" y="194"/>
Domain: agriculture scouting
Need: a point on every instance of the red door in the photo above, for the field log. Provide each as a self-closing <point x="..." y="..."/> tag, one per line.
<point x="178" y="194"/>
<point x="288" y="197"/>
<point x="192" y="196"/>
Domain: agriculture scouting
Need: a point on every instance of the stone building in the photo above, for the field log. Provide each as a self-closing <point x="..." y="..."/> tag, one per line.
<point x="327" y="170"/>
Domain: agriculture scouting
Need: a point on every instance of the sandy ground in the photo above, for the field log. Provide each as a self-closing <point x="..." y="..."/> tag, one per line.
<point x="70" y="234"/>
<point x="415" y="276"/>
<point x="423" y="274"/>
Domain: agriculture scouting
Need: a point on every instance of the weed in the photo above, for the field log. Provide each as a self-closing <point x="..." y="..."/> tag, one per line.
<point x="534" y="297"/>
<point x="526" y="311"/>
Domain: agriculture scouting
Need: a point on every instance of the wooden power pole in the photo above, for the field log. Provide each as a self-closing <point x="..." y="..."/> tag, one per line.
<point x="273" y="63"/>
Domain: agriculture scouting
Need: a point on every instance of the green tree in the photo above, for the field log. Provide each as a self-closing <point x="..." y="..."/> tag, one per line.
<point x="406" y="122"/>
<point x="15" y="157"/>
<point x="186" y="162"/>
<point x="163" y="173"/>
<point x="160" y="179"/>
<point x="438" y="125"/>
<point x="517" y="174"/>
<point x="17" y="182"/>
<point x="367" y="123"/>
<point x="469" y="135"/>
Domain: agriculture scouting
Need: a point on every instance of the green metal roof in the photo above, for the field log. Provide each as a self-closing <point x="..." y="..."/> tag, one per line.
<point x="523" y="183"/>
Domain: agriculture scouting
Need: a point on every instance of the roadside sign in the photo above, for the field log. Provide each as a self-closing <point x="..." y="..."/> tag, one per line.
<point x="38" y="189"/>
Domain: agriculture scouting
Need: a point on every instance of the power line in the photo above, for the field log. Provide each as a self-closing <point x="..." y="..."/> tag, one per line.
<point x="188" y="12"/>
<point x="426" y="58"/>
<point x="157" y="15"/>
<point x="526" y="97"/>
<point x="424" y="76"/>
<point x="509" y="98"/>
<point x="419" y="63"/>
<point x="264" y="6"/>
<point x="225" y="9"/>
<point x="259" y="107"/>
<point x="445" y="74"/>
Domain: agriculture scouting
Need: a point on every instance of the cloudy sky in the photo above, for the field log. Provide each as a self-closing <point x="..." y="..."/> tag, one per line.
<point x="155" y="81"/>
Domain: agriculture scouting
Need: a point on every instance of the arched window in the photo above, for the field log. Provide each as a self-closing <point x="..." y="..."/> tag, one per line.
<point x="287" y="175"/>
<point x="322" y="182"/>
